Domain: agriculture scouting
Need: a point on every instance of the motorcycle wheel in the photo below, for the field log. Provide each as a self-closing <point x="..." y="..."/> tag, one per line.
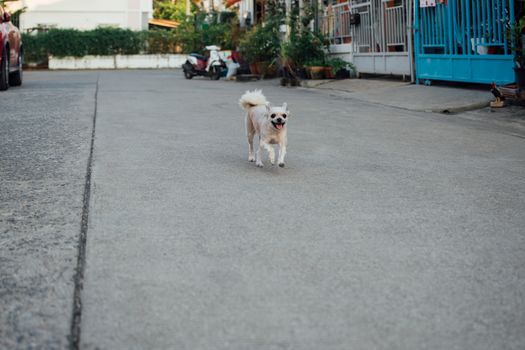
<point x="215" y="72"/>
<point x="187" y="74"/>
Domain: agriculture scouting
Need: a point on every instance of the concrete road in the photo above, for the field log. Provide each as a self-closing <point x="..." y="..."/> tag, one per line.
<point x="45" y="134"/>
<point x="387" y="229"/>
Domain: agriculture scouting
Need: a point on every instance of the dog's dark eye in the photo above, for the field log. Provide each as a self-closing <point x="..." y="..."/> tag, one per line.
<point x="284" y="116"/>
<point x="273" y="116"/>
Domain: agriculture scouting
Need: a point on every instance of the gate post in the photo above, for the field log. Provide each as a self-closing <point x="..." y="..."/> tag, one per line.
<point x="415" y="33"/>
<point x="410" y="36"/>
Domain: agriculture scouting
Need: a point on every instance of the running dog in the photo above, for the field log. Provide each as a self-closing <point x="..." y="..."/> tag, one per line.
<point x="267" y="121"/>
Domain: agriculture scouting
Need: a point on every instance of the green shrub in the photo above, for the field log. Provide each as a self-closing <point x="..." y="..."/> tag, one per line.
<point x="160" y="41"/>
<point x="263" y="42"/>
<point x="66" y="42"/>
<point x="112" y="41"/>
<point x="306" y="46"/>
<point x="188" y="37"/>
<point x="71" y="42"/>
<point x="338" y="63"/>
<point x="195" y="34"/>
<point x="35" y="49"/>
<point x="315" y="63"/>
<point x="191" y="36"/>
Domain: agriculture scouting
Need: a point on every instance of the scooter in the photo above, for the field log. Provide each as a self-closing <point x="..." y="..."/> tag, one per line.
<point x="201" y="65"/>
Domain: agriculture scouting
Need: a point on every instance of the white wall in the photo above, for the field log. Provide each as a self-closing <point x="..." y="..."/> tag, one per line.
<point x="117" y="62"/>
<point x="86" y="14"/>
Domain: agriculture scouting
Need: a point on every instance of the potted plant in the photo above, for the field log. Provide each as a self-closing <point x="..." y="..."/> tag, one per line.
<point x="305" y="48"/>
<point x="315" y="68"/>
<point x="261" y="45"/>
<point x="328" y="72"/>
<point x="338" y="68"/>
<point x="332" y="66"/>
<point x="287" y="67"/>
<point x="250" y="49"/>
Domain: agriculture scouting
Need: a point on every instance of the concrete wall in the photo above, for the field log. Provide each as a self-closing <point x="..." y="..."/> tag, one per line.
<point x="343" y="51"/>
<point x="117" y="62"/>
<point x="85" y="14"/>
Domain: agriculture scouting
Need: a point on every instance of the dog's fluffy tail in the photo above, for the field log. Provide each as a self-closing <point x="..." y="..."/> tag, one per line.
<point x="252" y="99"/>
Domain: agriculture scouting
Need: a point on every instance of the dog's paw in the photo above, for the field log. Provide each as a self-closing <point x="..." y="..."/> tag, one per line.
<point x="259" y="164"/>
<point x="251" y="159"/>
<point x="281" y="165"/>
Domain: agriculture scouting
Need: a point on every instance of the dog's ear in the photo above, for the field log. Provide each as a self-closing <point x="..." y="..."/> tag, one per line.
<point x="268" y="108"/>
<point x="285" y="108"/>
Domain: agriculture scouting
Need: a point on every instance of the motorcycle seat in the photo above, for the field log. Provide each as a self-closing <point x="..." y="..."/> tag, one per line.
<point x="199" y="57"/>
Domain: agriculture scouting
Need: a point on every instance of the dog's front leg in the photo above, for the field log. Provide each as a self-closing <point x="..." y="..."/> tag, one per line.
<point x="282" y="153"/>
<point x="271" y="152"/>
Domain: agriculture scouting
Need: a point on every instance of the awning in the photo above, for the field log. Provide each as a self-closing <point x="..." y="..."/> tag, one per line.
<point x="163" y="23"/>
<point x="229" y="3"/>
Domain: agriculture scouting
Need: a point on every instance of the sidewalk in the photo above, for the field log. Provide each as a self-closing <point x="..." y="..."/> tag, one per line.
<point x="395" y="93"/>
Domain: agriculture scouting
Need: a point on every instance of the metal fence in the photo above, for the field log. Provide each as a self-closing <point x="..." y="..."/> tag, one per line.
<point x="465" y="27"/>
<point x="335" y="24"/>
<point x="364" y="34"/>
<point x="383" y="25"/>
<point x="395" y="25"/>
<point x="464" y="40"/>
<point x="382" y="40"/>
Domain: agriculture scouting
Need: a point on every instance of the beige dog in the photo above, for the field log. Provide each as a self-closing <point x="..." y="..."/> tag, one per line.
<point x="267" y="121"/>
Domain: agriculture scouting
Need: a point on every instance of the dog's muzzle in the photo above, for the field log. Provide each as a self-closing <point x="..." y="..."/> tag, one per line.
<point x="278" y="124"/>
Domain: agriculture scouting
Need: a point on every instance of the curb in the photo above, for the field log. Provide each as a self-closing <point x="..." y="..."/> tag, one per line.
<point x="442" y="110"/>
<point x="460" y="109"/>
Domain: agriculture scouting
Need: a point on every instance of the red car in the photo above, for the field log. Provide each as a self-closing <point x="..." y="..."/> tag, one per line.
<point x="11" y="52"/>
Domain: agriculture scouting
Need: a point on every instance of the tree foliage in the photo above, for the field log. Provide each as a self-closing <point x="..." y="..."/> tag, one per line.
<point x="173" y="11"/>
<point x="305" y="46"/>
<point x="263" y="42"/>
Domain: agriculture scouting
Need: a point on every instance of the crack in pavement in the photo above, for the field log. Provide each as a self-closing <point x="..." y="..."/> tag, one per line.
<point x="74" y="337"/>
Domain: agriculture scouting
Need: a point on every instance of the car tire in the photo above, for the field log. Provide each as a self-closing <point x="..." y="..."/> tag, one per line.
<point x="4" y="71"/>
<point x="15" y="78"/>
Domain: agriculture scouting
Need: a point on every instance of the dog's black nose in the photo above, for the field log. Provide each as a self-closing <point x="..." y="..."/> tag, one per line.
<point x="279" y="120"/>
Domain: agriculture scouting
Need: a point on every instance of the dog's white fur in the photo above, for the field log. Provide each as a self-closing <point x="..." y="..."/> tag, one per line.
<point x="267" y="121"/>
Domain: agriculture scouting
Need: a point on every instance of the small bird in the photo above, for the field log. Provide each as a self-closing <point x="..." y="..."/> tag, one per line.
<point x="499" y="97"/>
<point x="497" y="94"/>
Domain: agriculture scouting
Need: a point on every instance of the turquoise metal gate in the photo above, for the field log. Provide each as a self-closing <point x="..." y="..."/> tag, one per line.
<point x="463" y="40"/>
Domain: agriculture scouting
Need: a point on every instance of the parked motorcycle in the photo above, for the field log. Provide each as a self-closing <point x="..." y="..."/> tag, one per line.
<point x="211" y="66"/>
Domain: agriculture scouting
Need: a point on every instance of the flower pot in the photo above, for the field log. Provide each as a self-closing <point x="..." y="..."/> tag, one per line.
<point x="328" y="73"/>
<point x="315" y="72"/>
<point x="266" y="69"/>
<point x="253" y="69"/>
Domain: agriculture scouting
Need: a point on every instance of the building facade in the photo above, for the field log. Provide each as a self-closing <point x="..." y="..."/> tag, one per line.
<point x="84" y="15"/>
